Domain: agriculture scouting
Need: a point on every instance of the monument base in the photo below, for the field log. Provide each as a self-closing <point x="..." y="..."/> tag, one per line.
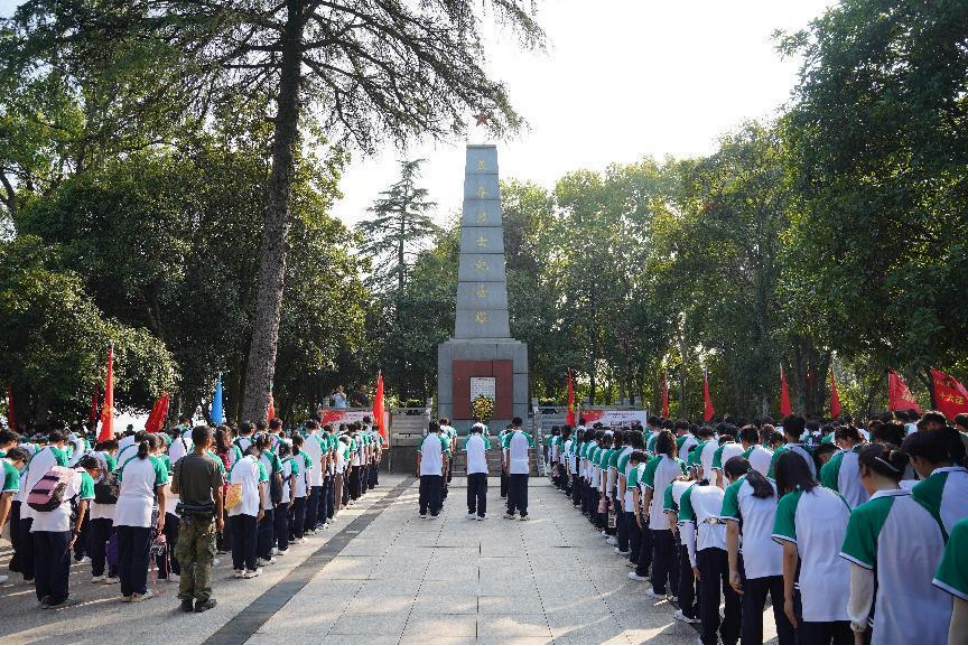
<point x="504" y="360"/>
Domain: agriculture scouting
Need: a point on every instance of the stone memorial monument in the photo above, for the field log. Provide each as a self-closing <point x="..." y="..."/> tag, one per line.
<point x="482" y="358"/>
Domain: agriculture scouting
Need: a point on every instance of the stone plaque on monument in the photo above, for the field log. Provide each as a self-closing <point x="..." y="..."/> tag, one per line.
<point x="483" y="386"/>
<point x="482" y="347"/>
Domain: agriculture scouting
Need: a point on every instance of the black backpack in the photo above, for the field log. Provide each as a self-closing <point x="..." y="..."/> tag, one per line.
<point x="106" y="491"/>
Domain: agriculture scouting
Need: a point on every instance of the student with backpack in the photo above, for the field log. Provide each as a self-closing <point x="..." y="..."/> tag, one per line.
<point x="273" y="468"/>
<point x="280" y="514"/>
<point x="143" y="478"/>
<point x="43" y="460"/>
<point x="101" y="516"/>
<point x="11" y="462"/>
<point x="56" y="527"/>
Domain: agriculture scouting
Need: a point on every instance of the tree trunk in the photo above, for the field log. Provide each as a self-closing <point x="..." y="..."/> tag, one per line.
<point x="272" y="267"/>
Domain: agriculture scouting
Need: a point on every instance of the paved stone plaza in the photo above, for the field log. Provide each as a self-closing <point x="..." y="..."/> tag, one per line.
<point x="381" y="575"/>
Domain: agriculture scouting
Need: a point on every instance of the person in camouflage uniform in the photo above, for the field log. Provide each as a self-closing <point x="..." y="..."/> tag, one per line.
<point x="198" y="483"/>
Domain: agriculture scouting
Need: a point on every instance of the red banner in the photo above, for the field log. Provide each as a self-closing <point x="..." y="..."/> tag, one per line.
<point x="378" y="412"/>
<point x="271" y="414"/>
<point x="107" y="412"/>
<point x="950" y="396"/>
<point x="158" y="414"/>
<point x="710" y="410"/>
<point x="899" y="395"/>
<point x="785" y="407"/>
<point x="834" y="398"/>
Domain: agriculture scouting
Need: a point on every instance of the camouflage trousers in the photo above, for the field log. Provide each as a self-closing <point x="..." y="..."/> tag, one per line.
<point x="195" y="552"/>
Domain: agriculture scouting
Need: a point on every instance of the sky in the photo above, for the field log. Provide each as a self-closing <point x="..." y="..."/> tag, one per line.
<point x="620" y="79"/>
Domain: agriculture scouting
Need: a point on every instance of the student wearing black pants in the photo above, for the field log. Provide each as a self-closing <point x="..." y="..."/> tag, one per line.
<point x="575" y="490"/>
<point x="244" y="536"/>
<point x="322" y="503"/>
<point x="820" y="632"/>
<point x="25" y="557"/>
<point x="688" y="597"/>
<point x="15" y="536"/>
<point x="134" y="544"/>
<point x="430" y="489"/>
<point x="753" y="602"/>
<point x="101" y="529"/>
<point x="52" y="565"/>
<point x="477" y="494"/>
<point x="622" y="528"/>
<point x="355" y="483"/>
<point x="634" y="535"/>
<point x="518" y="494"/>
<point x="265" y="539"/>
<point x="280" y="532"/>
<point x="172" y="524"/>
<point x="330" y="497"/>
<point x="312" y="509"/>
<point x="665" y="561"/>
<point x="644" y="559"/>
<point x="297" y="518"/>
<point x="713" y="569"/>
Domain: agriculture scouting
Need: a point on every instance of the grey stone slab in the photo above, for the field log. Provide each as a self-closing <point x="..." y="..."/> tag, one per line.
<point x="481" y="213"/>
<point x="389" y="587"/>
<point x="482" y="295"/>
<point x="466" y="588"/>
<point x="481" y="159"/>
<point x="441" y="625"/>
<point x="481" y="240"/>
<point x="520" y="388"/>
<point x="483" y="323"/>
<point x="481" y="267"/>
<point x="482" y="187"/>
<point x="361" y="638"/>
<point x="428" y="604"/>
<point x="504" y="605"/>
<point x="369" y="625"/>
<point x="513" y="626"/>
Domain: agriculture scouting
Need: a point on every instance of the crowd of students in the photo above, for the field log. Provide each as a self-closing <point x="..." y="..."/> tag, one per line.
<point x="857" y="535"/>
<point x="111" y="503"/>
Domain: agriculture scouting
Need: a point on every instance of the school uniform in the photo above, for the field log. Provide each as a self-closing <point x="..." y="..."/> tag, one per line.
<point x="266" y="527"/>
<point x="315" y="448"/>
<point x="504" y="473"/>
<point x="841" y="473"/>
<point x="945" y="494"/>
<point x="101" y="518"/>
<point x="432" y="451"/>
<point x="704" y="536"/>
<point x="686" y="442"/>
<point x="687" y="594"/>
<point x="251" y="474"/>
<point x="326" y="449"/>
<point x="705" y="453"/>
<point x="280" y="515"/>
<point x="297" y="513"/>
<point x="38" y="465"/>
<point x="476" y="447"/>
<point x="659" y="472"/>
<point x="721" y="456"/>
<point x="898" y="544"/>
<point x="633" y="479"/>
<point x="133" y="520"/>
<point x="51" y="534"/>
<point x="815" y="522"/>
<point x="759" y="458"/>
<point x="761" y="563"/>
<point x="952" y="573"/>
<point x="800" y="450"/>
<point x="622" y="529"/>
<point x="517" y="446"/>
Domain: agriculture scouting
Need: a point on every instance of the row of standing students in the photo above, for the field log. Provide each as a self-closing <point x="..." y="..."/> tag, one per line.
<point x="753" y="520"/>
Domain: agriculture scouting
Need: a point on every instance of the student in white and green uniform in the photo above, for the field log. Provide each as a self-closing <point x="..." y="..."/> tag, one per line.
<point x="640" y="540"/>
<point x="749" y="510"/>
<point x="517" y="448"/>
<point x="952" y="577"/>
<point x="476" y="447"/>
<point x="300" y="489"/>
<point x="811" y="522"/>
<point x="756" y="452"/>
<point x="894" y="546"/>
<point x="939" y="458"/>
<point x="842" y="472"/>
<point x="659" y="472"/>
<point x="13" y="460"/>
<point x="702" y="455"/>
<point x="728" y="448"/>
<point x="687" y="593"/>
<point x="794" y="426"/>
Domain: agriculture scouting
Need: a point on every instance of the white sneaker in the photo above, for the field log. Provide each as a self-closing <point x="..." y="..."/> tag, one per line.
<point x="618" y="551"/>
<point x="612" y="540"/>
<point x="273" y="551"/>
<point x="135" y="598"/>
<point x="302" y="540"/>
<point x="679" y="616"/>
<point x="525" y="518"/>
<point x="112" y="580"/>
<point x="509" y="516"/>
<point x="251" y="574"/>
<point x="655" y="595"/>
<point x="94" y="579"/>
<point x="480" y="518"/>
<point x="271" y="561"/>
<point x="424" y="516"/>
<point x="238" y="574"/>
<point x="471" y="516"/>
<point x="282" y="552"/>
<point x="635" y="576"/>
<point x="86" y="559"/>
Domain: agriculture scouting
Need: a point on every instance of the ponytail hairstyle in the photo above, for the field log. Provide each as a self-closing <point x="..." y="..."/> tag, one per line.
<point x="884" y="459"/>
<point x="738" y="466"/>
<point x="939" y="447"/>
<point x="666" y="444"/>
<point x="148" y="444"/>
<point x="849" y="433"/>
<point x="283" y="450"/>
<point x="792" y="473"/>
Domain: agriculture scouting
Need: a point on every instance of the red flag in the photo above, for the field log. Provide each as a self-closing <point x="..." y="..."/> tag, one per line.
<point x="107" y="412"/>
<point x="834" y="398"/>
<point x="570" y="417"/>
<point x="11" y="414"/>
<point x="785" y="407"/>
<point x="950" y="396"/>
<point x="158" y="414"/>
<point x="665" y="394"/>
<point x="710" y="410"/>
<point x="899" y="395"/>
<point x="272" y="407"/>
<point x="378" y="408"/>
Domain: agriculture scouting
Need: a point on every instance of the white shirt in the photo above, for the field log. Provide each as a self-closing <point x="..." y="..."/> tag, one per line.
<point x="137" y="496"/>
<point x="246" y="472"/>
<point x="762" y="556"/>
<point x="314" y="448"/>
<point x="432" y="455"/>
<point x="666" y="471"/>
<point x="476" y="449"/>
<point x="706" y="501"/>
<point x="706" y="457"/>
<point x="59" y="519"/>
<point x="180" y="447"/>
<point x="286" y="475"/>
<point x="39" y="465"/>
<point x="519" y="446"/>
<point x="760" y="458"/>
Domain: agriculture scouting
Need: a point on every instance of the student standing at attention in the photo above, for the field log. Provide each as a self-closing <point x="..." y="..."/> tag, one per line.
<point x="247" y="477"/>
<point x="143" y="478"/>
<point x="517" y="446"/>
<point x="476" y="447"/>
<point x="198" y="483"/>
<point x="430" y="463"/>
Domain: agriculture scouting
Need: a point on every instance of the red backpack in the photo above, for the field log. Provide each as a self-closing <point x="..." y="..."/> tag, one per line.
<point x="47" y="493"/>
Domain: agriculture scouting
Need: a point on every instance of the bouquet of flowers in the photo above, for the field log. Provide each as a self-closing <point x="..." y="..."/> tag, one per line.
<point x="483" y="407"/>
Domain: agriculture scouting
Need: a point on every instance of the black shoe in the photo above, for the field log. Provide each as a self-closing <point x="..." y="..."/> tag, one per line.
<point x="187" y="605"/>
<point x="208" y="604"/>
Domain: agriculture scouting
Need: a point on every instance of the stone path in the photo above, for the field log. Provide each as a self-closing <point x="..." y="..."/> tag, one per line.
<point x="383" y="576"/>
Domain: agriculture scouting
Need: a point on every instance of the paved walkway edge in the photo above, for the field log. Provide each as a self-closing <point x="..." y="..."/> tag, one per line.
<point x="244" y="625"/>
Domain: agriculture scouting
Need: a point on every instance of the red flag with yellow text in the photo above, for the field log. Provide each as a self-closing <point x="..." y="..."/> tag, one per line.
<point x="899" y="396"/>
<point x="378" y="405"/>
<point x="158" y="414"/>
<point x="950" y="396"/>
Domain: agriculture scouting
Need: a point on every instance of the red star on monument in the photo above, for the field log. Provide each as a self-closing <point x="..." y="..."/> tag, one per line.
<point x="481" y="118"/>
